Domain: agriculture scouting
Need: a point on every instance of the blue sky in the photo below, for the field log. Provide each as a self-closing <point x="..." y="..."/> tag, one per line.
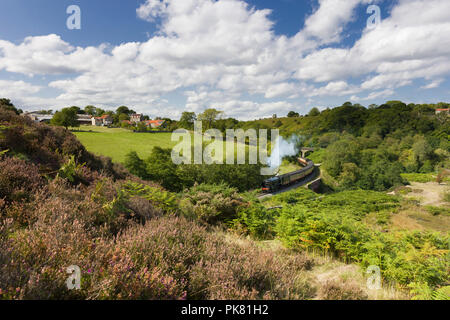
<point x="249" y="58"/>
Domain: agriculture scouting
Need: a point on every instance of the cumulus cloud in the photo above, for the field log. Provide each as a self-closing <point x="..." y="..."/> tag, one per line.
<point x="17" y="89"/>
<point x="225" y="54"/>
<point x="328" y="21"/>
<point x="48" y="55"/>
<point x="152" y="9"/>
<point x="334" y="88"/>
<point x="409" y="44"/>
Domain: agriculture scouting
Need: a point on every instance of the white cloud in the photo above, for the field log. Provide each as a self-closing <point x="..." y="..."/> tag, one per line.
<point x="248" y="110"/>
<point x="220" y="53"/>
<point x="328" y="21"/>
<point x="433" y="84"/>
<point x="280" y="89"/>
<point x="152" y="9"/>
<point x="334" y="88"/>
<point x="409" y="44"/>
<point x="15" y="89"/>
<point x="48" y="55"/>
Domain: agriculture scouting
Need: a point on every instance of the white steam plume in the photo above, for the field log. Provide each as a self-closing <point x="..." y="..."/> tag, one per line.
<point x="283" y="148"/>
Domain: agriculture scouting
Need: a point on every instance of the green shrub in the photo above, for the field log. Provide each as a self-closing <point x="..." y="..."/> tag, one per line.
<point x="333" y="224"/>
<point x="419" y="177"/>
<point x="256" y="220"/>
<point x="71" y="170"/>
<point x="135" y="165"/>
<point x="435" y="211"/>
<point x="211" y="204"/>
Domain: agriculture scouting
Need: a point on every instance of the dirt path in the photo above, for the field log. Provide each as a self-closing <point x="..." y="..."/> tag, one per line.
<point x="431" y="194"/>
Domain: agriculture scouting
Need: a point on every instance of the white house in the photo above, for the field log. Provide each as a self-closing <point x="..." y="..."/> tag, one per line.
<point x="136" y="118"/>
<point x="105" y="120"/>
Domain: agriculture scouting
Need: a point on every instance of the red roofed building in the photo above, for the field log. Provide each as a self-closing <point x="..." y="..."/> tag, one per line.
<point x="105" y="120"/>
<point x="154" y="123"/>
<point x="447" y="111"/>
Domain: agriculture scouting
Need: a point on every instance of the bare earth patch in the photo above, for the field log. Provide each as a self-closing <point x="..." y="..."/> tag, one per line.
<point x="419" y="216"/>
<point x="431" y="194"/>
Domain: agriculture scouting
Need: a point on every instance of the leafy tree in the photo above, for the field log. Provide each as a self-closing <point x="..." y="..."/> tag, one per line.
<point x="293" y="114"/>
<point x="210" y="116"/>
<point x="126" y="125"/>
<point x="123" y="117"/>
<point x="160" y="168"/>
<point x="442" y="118"/>
<point x="350" y="175"/>
<point x="347" y="117"/>
<point x="141" y="127"/>
<point x="124" y="110"/>
<point x="187" y="120"/>
<point x="314" y="112"/>
<point x="340" y="152"/>
<point x="394" y="102"/>
<point x="422" y="149"/>
<point x="77" y="110"/>
<point x="224" y="124"/>
<point x="135" y="165"/>
<point x="99" y="112"/>
<point x="67" y="117"/>
<point x="427" y="167"/>
<point x="91" y="110"/>
<point x="7" y="104"/>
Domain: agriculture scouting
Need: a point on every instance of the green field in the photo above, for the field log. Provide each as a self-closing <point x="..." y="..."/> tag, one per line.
<point x="116" y="143"/>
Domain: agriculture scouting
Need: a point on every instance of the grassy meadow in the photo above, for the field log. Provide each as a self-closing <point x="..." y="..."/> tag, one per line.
<point x="116" y="143"/>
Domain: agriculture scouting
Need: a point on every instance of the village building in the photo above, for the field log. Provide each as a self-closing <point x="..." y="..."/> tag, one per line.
<point x="37" y="117"/>
<point x="439" y="111"/>
<point x="84" y="119"/>
<point x="105" y="120"/>
<point x="154" y="123"/>
<point x="136" y="118"/>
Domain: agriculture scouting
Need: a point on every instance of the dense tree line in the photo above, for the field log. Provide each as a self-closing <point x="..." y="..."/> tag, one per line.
<point x="160" y="168"/>
<point x="369" y="148"/>
<point x="361" y="147"/>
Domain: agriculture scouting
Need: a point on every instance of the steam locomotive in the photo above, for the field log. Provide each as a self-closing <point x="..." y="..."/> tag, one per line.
<point x="276" y="183"/>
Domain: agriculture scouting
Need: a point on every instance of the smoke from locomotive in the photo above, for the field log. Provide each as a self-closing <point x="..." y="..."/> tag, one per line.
<point x="283" y="148"/>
